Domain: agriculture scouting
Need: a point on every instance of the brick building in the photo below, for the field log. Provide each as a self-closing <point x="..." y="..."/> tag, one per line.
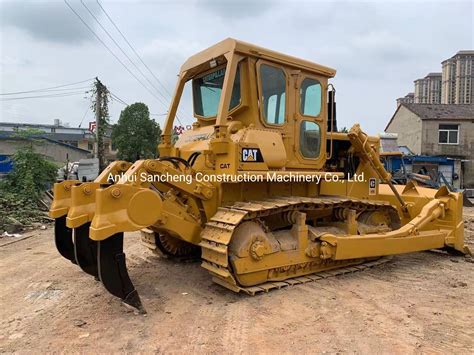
<point x="437" y="130"/>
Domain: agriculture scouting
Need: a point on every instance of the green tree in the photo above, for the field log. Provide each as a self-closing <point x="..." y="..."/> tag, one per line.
<point x="136" y="136"/>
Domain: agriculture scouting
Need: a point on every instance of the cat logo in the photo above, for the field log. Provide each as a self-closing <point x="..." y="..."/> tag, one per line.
<point x="251" y="155"/>
<point x="372" y="186"/>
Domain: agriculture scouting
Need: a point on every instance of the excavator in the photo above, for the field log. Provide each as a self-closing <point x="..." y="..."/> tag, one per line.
<point x="262" y="188"/>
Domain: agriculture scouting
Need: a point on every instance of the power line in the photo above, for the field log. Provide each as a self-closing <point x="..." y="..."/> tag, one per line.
<point x="124" y="53"/>
<point x="83" y="117"/>
<point x="67" y="89"/>
<point x="133" y="49"/>
<point x="43" y="96"/>
<point x="138" y="56"/>
<point x="47" y="89"/>
<point x="118" y="99"/>
<point x="110" y="51"/>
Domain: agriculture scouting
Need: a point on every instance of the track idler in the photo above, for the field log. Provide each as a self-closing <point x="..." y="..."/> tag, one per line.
<point x="113" y="271"/>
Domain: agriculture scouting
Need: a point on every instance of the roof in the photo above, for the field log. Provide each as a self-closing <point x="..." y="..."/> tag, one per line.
<point x="405" y="150"/>
<point x="429" y="158"/>
<point x="78" y="132"/>
<point x="65" y="136"/>
<point x="230" y="45"/>
<point x="429" y="75"/>
<point x="388" y="144"/>
<point x="13" y="136"/>
<point x="459" y="53"/>
<point x="471" y="52"/>
<point x="442" y="111"/>
<point x="38" y="125"/>
<point x="438" y="112"/>
<point x="410" y="95"/>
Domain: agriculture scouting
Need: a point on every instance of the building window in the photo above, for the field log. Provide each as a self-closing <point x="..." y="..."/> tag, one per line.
<point x="274" y="94"/>
<point x="448" y="134"/>
<point x="90" y="146"/>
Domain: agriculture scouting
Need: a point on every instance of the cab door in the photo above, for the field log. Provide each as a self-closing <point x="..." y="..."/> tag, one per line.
<point x="310" y="113"/>
<point x="275" y="98"/>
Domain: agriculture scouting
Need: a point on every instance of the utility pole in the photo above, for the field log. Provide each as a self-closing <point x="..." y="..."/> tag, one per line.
<point x="98" y="87"/>
<point x="101" y="110"/>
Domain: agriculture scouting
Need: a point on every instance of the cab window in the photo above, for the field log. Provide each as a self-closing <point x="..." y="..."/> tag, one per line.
<point x="310" y="97"/>
<point x="207" y="92"/>
<point x="273" y="82"/>
<point x="310" y="139"/>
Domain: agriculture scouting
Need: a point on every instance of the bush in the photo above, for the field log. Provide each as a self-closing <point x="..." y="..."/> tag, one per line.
<point x="23" y="188"/>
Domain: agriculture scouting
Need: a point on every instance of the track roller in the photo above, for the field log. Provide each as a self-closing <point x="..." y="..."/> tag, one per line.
<point x="113" y="271"/>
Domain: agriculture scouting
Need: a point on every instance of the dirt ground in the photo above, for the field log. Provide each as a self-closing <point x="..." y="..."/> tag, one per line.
<point x="417" y="303"/>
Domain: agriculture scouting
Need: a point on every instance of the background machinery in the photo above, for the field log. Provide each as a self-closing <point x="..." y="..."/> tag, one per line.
<point x="262" y="186"/>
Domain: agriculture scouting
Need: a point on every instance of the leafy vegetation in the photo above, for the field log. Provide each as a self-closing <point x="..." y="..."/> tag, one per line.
<point x="100" y="106"/>
<point x="22" y="189"/>
<point x="136" y="136"/>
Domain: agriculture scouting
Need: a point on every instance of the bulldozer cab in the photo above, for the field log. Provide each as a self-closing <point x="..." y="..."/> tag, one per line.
<point x="261" y="109"/>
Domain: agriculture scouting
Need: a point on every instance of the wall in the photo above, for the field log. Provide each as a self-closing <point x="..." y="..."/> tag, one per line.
<point x="52" y="151"/>
<point x="408" y="126"/>
<point x="464" y="150"/>
<point x="84" y="144"/>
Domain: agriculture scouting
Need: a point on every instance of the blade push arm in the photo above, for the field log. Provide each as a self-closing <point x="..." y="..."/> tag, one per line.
<point x="423" y="232"/>
<point x="368" y="153"/>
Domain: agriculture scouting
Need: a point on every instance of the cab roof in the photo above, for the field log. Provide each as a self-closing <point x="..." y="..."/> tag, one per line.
<point x="233" y="45"/>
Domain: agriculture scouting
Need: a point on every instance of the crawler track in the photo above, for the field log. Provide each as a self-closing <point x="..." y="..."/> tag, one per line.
<point x="218" y="232"/>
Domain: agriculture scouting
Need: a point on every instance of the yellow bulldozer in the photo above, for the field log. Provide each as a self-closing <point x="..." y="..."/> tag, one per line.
<point x="262" y="187"/>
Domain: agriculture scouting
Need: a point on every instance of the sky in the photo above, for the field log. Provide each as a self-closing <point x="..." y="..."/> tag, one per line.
<point x="377" y="47"/>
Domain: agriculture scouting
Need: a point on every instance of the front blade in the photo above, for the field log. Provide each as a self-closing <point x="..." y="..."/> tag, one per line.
<point x="63" y="239"/>
<point x="85" y="250"/>
<point x="113" y="271"/>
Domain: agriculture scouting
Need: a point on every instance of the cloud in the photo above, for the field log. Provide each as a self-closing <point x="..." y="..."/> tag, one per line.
<point x="233" y="10"/>
<point x="377" y="47"/>
<point x="49" y="21"/>
<point x="385" y="46"/>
